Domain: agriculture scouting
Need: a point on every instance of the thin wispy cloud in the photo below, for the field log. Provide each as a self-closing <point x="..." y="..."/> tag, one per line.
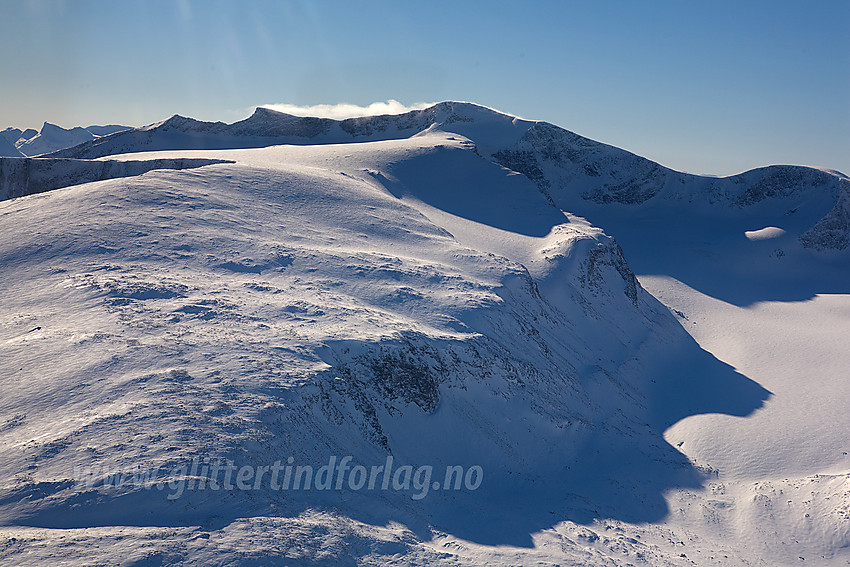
<point x="346" y="110"/>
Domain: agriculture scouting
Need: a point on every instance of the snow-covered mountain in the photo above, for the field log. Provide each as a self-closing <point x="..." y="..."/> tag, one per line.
<point x="435" y="287"/>
<point x="51" y="138"/>
<point x="264" y="128"/>
<point x="567" y="168"/>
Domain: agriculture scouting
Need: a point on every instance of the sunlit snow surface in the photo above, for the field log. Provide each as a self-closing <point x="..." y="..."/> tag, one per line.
<point x="256" y="310"/>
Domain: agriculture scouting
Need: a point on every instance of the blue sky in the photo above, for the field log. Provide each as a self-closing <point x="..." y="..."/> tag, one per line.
<point x="707" y="87"/>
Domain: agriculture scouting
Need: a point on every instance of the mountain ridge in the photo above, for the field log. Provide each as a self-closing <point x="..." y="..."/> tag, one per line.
<point x="569" y="169"/>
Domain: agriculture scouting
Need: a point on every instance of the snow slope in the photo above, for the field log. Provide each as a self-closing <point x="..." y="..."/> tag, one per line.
<point x="8" y="149"/>
<point x="408" y="294"/>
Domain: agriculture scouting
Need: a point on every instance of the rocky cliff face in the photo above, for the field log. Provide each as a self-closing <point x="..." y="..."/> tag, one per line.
<point x="832" y="232"/>
<point x="27" y="176"/>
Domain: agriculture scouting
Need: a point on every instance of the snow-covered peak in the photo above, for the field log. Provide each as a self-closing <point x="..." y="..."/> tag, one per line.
<point x="266" y="127"/>
<point x="11" y="135"/>
<point x="175" y="120"/>
<point x="29" y="133"/>
<point x="50" y="129"/>
<point x="182" y="123"/>
<point x="449" y="112"/>
<point x="52" y="138"/>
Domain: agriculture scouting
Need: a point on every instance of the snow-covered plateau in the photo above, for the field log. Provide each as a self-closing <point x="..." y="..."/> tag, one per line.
<point x="447" y="337"/>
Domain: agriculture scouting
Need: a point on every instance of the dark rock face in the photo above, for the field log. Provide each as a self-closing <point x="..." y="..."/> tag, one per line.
<point x="410" y="371"/>
<point x="266" y="122"/>
<point x="609" y="255"/>
<point x="407" y="376"/>
<point x="27" y="176"/>
<point x="525" y="162"/>
<point x="611" y="175"/>
<point x="779" y="181"/>
<point x="832" y="232"/>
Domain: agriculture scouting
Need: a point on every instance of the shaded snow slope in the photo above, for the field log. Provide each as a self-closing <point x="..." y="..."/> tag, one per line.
<point x="28" y="133"/>
<point x="755" y="266"/>
<point x="11" y="135"/>
<point x="8" y="149"/>
<point x="571" y="168"/>
<point x="832" y="232"/>
<point x="576" y="173"/>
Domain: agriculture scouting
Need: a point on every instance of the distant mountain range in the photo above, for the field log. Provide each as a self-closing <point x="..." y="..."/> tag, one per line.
<point x="17" y="143"/>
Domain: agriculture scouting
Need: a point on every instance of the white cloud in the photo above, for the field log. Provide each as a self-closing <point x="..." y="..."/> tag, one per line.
<point x="345" y="110"/>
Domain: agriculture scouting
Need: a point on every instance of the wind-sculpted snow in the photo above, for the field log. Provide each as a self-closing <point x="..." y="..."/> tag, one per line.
<point x="332" y="300"/>
<point x="27" y="176"/>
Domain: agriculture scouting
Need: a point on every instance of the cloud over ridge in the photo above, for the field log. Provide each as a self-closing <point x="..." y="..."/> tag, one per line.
<point x="347" y="110"/>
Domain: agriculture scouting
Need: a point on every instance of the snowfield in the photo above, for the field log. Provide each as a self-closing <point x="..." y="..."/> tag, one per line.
<point x="430" y="290"/>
